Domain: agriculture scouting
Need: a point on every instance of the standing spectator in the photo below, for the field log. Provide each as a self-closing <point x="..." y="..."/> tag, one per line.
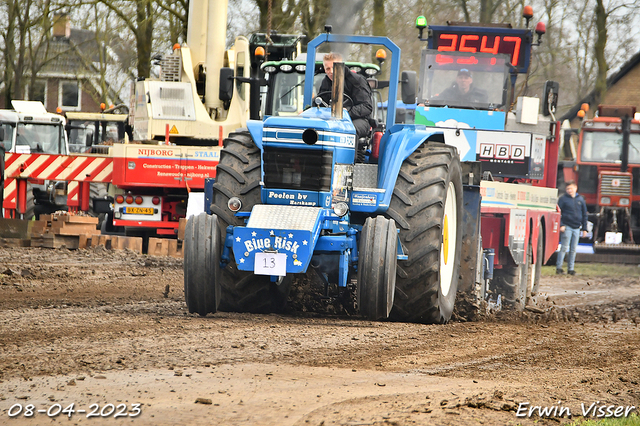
<point x="573" y="211"/>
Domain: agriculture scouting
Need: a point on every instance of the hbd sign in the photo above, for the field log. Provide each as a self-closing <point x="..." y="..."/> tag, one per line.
<point x="502" y="152"/>
<point x="512" y="154"/>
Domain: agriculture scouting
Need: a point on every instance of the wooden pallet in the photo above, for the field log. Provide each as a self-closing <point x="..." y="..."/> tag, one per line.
<point x="114" y="242"/>
<point x="65" y="224"/>
<point x="55" y="241"/>
<point x="63" y="230"/>
<point x="164" y="247"/>
<point x="15" y="242"/>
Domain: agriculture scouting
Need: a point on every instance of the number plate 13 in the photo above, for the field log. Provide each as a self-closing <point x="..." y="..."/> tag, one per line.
<point x="270" y="264"/>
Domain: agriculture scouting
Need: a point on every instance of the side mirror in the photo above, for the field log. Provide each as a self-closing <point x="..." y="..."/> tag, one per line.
<point x="88" y="139"/>
<point x="226" y="84"/>
<point x="1" y="133"/>
<point x="550" y="100"/>
<point x="408" y="81"/>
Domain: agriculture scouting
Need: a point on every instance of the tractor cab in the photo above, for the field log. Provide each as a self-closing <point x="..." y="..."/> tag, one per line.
<point x="464" y="80"/>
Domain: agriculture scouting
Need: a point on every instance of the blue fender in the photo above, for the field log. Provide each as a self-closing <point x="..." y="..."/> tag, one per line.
<point x="255" y="130"/>
<point x="397" y="144"/>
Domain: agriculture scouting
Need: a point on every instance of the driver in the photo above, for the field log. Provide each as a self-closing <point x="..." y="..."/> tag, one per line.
<point x="463" y="90"/>
<point x="356" y="87"/>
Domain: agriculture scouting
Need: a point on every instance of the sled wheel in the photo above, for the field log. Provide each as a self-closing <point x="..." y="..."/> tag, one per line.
<point x="512" y="283"/>
<point x="202" y="264"/>
<point x="377" y="267"/>
<point x="238" y="175"/>
<point x="427" y="207"/>
<point x="536" y="268"/>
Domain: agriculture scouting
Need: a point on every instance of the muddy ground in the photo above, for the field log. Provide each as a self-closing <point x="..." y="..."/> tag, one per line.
<point x="93" y="328"/>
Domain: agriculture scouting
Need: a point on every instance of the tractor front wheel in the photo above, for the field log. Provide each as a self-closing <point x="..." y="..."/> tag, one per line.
<point x="238" y="175"/>
<point x="202" y="264"/>
<point x="377" y="255"/>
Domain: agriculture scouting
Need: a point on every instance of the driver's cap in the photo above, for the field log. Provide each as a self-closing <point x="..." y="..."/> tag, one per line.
<point x="464" y="71"/>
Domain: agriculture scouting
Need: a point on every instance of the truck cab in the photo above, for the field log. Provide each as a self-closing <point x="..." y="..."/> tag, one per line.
<point x="30" y="129"/>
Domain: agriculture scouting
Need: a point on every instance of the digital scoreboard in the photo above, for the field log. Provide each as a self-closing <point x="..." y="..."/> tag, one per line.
<point x="516" y="43"/>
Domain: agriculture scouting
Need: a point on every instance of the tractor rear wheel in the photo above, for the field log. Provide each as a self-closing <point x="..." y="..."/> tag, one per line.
<point x="377" y="253"/>
<point x="238" y="175"/>
<point x="30" y="213"/>
<point x="202" y="264"/>
<point x="427" y="206"/>
<point x="97" y="190"/>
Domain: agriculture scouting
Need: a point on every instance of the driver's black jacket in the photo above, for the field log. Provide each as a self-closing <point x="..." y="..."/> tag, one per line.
<point x="357" y="88"/>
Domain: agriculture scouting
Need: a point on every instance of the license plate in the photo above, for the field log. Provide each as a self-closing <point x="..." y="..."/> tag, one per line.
<point x="137" y="210"/>
<point x="270" y="264"/>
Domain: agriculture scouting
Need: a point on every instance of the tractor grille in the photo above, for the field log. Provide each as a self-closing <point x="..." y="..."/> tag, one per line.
<point x="615" y="185"/>
<point x="300" y="169"/>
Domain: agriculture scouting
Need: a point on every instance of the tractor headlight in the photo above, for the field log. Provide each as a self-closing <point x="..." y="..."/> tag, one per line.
<point x="623" y="202"/>
<point x="269" y="68"/>
<point x="234" y="204"/>
<point x="605" y="200"/>
<point x="340" y="209"/>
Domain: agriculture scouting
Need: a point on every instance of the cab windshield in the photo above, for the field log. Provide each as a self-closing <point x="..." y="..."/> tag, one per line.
<point x="288" y="92"/>
<point x="7" y="135"/>
<point x="84" y="135"/>
<point x="35" y="138"/>
<point x="285" y="95"/>
<point x="606" y="147"/>
<point x="463" y="80"/>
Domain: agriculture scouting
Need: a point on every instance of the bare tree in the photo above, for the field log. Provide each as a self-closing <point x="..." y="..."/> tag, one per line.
<point x="26" y="34"/>
<point x="139" y="17"/>
<point x="278" y="15"/>
<point x="175" y="13"/>
<point x="314" y="15"/>
<point x="484" y="9"/>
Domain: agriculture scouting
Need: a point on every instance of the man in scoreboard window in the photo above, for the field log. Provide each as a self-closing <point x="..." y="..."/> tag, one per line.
<point x="463" y="90"/>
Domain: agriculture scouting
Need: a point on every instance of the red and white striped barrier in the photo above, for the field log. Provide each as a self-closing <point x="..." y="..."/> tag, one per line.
<point x="74" y="169"/>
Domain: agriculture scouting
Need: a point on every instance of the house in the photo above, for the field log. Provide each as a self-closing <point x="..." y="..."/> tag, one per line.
<point x="623" y="88"/>
<point x="70" y="77"/>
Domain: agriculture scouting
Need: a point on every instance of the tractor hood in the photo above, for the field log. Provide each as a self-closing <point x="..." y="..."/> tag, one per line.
<point x="316" y="118"/>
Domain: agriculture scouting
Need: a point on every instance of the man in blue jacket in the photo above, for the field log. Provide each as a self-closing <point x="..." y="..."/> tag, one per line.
<point x="573" y="211"/>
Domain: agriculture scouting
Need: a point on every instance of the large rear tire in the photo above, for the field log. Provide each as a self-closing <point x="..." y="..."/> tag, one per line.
<point x="30" y="213"/>
<point x="98" y="190"/>
<point x="238" y="175"/>
<point x="202" y="264"/>
<point x="427" y="206"/>
<point x="377" y="267"/>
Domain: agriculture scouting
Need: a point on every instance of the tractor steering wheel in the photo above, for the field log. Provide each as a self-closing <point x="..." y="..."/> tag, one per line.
<point x="347" y="102"/>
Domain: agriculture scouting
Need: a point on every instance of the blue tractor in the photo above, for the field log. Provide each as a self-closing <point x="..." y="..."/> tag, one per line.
<point x="295" y="193"/>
